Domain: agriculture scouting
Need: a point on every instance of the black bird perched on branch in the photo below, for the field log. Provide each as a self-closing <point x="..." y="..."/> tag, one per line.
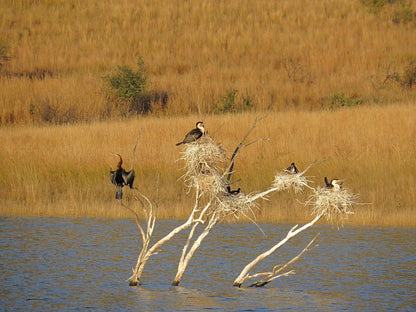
<point x="233" y="192"/>
<point x="335" y="183"/>
<point x="292" y="169"/>
<point x="121" y="177"/>
<point x="194" y="134"/>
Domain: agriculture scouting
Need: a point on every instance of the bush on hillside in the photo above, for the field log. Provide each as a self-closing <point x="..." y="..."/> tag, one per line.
<point x="127" y="89"/>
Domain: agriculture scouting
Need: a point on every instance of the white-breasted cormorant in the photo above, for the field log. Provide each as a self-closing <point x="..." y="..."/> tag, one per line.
<point x="335" y="183"/>
<point x="194" y="134"/>
<point x="292" y="169"/>
<point x="121" y="177"/>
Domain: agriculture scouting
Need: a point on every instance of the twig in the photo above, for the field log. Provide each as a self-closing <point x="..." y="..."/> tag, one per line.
<point x="134" y="150"/>
<point x="230" y="167"/>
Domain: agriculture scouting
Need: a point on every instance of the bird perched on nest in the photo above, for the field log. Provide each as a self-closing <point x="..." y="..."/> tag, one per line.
<point x="233" y="192"/>
<point x="121" y="177"/>
<point x="194" y="134"/>
<point x="292" y="169"/>
<point x="335" y="184"/>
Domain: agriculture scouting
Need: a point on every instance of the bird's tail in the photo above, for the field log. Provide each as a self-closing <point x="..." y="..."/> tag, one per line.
<point x="119" y="192"/>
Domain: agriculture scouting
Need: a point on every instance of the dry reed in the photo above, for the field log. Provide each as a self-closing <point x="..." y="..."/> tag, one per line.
<point x="64" y="170"/>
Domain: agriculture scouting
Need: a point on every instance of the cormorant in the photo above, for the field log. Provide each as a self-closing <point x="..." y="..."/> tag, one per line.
<point x="335" y="183"/>
<point x="292" y="169"/>
<point x="121" y="177"/>
<point x="235" y="192"/>
<point x="194" y="134"/>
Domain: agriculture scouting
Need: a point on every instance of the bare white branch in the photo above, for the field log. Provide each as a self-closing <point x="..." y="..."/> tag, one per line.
<point x="293" y="232"/>
<point x="271" y="276"/>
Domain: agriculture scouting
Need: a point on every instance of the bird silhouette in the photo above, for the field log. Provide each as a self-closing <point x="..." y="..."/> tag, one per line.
<point x="121" y="177"/>
<point x="194" y="134"/>
<point x="292" y="169"/>
<point x="233" y="192"/>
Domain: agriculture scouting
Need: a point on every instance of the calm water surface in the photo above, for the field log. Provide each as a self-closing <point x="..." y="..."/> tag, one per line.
<point x="83" y="263"/>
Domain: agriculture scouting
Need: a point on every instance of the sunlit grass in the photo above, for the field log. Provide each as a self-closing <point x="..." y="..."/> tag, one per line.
<point x="285" y="54"/>
<point x="64" y="170"/>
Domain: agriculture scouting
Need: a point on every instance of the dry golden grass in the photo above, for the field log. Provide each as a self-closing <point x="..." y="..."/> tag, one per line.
<point x="64" y="170"/>
<point x="290" y="55"/>
<point x="282" y="54"/>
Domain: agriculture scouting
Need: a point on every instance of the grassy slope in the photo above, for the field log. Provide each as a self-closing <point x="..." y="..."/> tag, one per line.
<point x="281" y="54"/>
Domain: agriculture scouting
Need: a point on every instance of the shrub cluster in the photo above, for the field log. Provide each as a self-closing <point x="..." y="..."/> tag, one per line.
<point x="231" y="102"/>
<point x="407" y="78"/>
<point x="128" y="90"/>
<point x="338" y="100"/>
<point x="399" y="11"/>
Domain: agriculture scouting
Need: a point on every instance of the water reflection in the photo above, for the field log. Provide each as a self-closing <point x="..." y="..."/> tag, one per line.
<point x="82" y="264"/>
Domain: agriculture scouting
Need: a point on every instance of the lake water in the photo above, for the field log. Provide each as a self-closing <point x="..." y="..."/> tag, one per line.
<point x="70" y="264"/>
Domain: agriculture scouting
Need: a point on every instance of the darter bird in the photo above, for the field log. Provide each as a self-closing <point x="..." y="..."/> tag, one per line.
<point x="335" y="184"/>
<point x="121" y="177"/>
<point x="194" y="134"/>
<point x="292" y="169"/>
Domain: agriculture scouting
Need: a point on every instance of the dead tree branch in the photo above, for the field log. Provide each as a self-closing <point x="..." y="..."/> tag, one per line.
<point x="146" y="236"/>
<point x="293" y="232"/>
<point x="271" y="276"/>
<point x="186" y="257"/>
<point x="134" y="150"/>
<point x="197" y="215"/>
<point x="229" y="170"/>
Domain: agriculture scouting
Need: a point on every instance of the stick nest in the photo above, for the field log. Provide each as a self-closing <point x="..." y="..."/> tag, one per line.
<point x="202" y="160"/>
<point x="284" y="180"/>
<point x="236" y="205"/>
<point x="334" y="204"/>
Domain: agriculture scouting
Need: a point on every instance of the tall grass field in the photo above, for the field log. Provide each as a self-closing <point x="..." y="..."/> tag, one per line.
<point x="337" y="78"/>
<point x="64" y="170"/>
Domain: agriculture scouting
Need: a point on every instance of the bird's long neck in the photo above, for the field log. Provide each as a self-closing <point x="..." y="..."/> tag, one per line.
<point x="120" y="162"/>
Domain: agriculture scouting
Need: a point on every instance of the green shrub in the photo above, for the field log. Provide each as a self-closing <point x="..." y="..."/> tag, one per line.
<point x="374" y="6"/>
<point x="404" y="14"/>
<point x="338" y="100"/>
<point x="248" y="102"/>
<point x="230" y="102"/>
<point x="127" y="89"/>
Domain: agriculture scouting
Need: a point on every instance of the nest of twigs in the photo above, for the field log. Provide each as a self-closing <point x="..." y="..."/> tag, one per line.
<point x="285" y="180"/>
<point x="236" y="206"/>
<point x="202" y="160"/>
<point x="334" y="204"/>
<point x="209" y="181"/>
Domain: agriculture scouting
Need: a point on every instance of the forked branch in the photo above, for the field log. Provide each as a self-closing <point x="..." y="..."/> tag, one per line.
<point x="293" y="232"/>
<point x="276" y="273"/>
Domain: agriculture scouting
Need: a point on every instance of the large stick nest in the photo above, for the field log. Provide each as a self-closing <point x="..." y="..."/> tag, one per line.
<point x="285" y="180"/>
<point x="236" y="205"/>
<point x="334" y="204"/>
<point x="202" y="161"/>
